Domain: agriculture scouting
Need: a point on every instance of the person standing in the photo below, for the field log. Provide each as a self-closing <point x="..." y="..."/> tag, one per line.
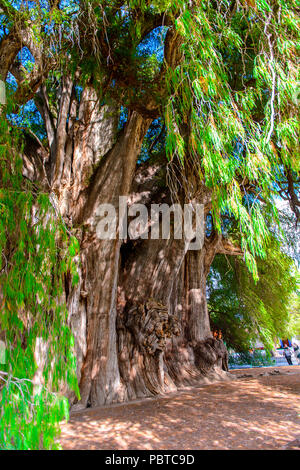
<point x="297" y="353"/>
<point x="288" y="355"/>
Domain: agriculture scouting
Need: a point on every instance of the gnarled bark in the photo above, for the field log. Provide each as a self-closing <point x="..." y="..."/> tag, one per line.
<point x="164" y="336"/>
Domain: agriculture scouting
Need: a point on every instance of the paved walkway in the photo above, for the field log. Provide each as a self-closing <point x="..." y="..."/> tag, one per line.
<point x="259" y="410"/>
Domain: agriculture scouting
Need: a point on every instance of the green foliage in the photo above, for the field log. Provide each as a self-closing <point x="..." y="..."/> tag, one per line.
<point x="36" y="253"/>
<point x="231" y="112"/>
<point x="246" y="310"/>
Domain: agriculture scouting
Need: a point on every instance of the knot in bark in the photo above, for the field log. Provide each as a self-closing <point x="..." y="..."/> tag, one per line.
<point x="151" y="325"/>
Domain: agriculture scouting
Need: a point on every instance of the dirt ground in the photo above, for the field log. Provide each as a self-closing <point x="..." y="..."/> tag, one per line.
<point x="258" y="410"/>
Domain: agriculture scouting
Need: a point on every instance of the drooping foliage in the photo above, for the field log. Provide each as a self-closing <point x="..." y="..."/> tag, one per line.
<point x="36" y="253"/>
<point x="221" y="78"/>
<point x="247" y="311"/>
<point x="229" y="103"/>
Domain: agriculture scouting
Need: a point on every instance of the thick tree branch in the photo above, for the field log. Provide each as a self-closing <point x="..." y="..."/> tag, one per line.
<point x="34" y="156"/>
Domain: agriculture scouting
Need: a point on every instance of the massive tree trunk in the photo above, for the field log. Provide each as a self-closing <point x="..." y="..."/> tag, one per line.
<point x="139" y="313"/>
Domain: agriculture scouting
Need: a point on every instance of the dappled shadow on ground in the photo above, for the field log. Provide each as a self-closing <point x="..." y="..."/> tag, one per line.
<point x="255" y="413"/>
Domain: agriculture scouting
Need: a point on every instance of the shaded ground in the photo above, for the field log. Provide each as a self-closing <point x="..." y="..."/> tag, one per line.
<point x="256" y="412"/>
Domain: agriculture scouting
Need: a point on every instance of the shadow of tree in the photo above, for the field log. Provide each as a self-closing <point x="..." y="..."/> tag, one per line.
<point x="258" y="413"/>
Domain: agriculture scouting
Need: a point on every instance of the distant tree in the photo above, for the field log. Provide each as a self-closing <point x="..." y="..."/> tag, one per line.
<point x="246" y="310"/>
